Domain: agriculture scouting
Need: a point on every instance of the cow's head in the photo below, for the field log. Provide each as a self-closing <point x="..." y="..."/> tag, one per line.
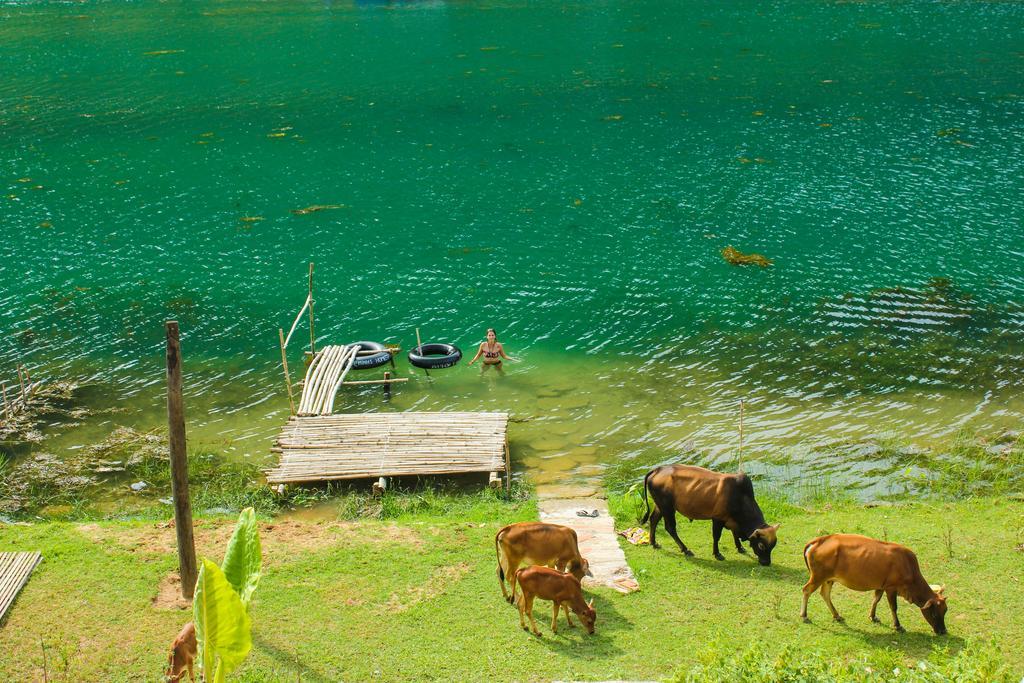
<point x="579" y="568"/>
<point x="588" y="616"/>
<point x="763" y="541"/>
<point x="934" y="610"/>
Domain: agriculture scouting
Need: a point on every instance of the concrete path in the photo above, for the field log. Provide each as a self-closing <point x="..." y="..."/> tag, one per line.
<point x="598" y="542"/>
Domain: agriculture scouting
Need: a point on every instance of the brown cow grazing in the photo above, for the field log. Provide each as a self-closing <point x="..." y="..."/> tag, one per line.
<point x="550" y="545"/>
<point x="726" y="499"/>
<point x="563" y="590"/>
<point x="183" y="654"/>
<point x="864" y="564"/>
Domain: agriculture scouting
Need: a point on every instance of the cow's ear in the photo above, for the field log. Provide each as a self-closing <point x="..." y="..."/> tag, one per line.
<point x="775" y="527"/>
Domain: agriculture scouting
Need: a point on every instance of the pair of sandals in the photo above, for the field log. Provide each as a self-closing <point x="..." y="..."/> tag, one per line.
<point x="584" y="513"/>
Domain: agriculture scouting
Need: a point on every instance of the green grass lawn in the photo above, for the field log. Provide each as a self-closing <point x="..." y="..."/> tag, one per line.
<point x="418" y="599"/>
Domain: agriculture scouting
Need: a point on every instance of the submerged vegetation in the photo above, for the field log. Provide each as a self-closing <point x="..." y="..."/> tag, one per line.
<point x="22" y="413"/>
<point x="738" y="258"/>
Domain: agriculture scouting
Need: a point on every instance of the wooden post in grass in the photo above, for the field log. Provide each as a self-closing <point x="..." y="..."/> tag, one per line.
<point x="179" y="464"/>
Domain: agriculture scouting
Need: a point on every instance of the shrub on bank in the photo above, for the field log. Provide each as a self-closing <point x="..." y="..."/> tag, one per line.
<point x="762" y="664"/>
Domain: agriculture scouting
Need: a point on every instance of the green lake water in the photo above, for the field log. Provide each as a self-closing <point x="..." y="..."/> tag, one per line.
<point x="565" y="172"/>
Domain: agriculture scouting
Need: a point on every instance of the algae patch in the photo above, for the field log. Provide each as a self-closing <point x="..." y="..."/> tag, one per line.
<point x="738" y="258"/>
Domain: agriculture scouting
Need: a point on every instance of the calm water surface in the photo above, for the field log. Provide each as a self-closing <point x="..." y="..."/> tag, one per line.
<point x="567" y="173"/>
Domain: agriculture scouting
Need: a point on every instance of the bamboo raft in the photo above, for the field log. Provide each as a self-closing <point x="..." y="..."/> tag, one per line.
<point x="14" y="572"/>
<point x="356" y="446"/>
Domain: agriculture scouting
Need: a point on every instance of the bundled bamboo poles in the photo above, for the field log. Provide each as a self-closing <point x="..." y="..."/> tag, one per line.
<point x="14" y="572"/>
<point x="324" y="378"/>
<point x="325" y="447"/>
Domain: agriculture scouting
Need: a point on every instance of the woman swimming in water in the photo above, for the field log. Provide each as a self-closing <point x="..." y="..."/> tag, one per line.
<point x="491" y="350"/>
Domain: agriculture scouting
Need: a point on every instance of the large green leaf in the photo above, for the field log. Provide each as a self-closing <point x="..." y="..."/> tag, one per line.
<point x="244" y="556"/>
<point x="223" y="631"/>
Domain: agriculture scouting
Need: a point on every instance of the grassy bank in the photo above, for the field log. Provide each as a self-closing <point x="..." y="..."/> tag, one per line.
<point x="417" y="599"/>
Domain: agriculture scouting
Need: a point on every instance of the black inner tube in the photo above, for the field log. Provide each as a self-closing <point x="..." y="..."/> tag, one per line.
<point x="435" y="356"/>
<point x="365" y="362"/>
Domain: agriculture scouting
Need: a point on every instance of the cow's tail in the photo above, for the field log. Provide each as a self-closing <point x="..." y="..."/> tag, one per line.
<point x="647" y="504"/>
<point x="497" y="551"/>
<point x="516" y="585"/>
<point x="807" y="549"/>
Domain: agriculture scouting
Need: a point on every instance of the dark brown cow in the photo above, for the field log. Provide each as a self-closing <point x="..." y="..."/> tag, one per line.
<point x="183" y="654"/>
<point x="563" y="590"/>
<point x="726" y="499"/>
<point x="865" y="564"/>
<point x="550" y="545"/>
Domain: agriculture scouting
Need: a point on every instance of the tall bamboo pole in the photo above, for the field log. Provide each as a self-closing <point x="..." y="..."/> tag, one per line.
<point x="179" y="464"/>
<point x="312" y="333"/>
<point x="287" y="377"/>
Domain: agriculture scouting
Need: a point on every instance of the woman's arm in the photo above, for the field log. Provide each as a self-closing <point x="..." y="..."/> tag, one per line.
<point x="501" y="350"/>
<point x="479" y="351"/>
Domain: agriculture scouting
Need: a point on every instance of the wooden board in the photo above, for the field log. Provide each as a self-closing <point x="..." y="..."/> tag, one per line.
<point x="372" y="445"/>
<point x="14" y="571"/>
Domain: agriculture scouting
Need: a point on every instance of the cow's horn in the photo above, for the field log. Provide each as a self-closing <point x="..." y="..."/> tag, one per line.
<point x="753" y="534"/>
<point x="937" y="588"/>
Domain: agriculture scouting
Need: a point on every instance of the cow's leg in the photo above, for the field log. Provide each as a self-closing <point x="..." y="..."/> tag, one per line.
<point x="739" y="543"/>
<point x="826" y="592"/>
<point x="874" y="605"/>
<point x="529" y="613"/>
<point x="892" y="606"/>
<point x="510" y="574"/>
<point x="716" y="535"/>
<point x="670" y="527"/>
<point x="554" y="616"/>
<point x="655" y="518"/>
<point x="565" y="608"/>
<point x="191" y="675"/>
<point x="808" y="589"/>
<point x="521" y="604"/>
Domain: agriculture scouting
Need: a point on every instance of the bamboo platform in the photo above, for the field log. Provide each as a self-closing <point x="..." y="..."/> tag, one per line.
<point x="348" y="446"/>
<point x="14" y="572"/>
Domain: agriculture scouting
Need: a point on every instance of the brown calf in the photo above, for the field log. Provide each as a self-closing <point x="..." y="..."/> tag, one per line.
<point x="562" y="589"/>
<point x="726" y="499"/>
<point x="550" y="545"/>
<point x="864" y="564"/>
<point x="183" y="654"/>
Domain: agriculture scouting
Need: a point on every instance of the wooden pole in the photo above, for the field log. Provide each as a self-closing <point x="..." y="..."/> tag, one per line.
<point x="739" y="462"/>
<point x="287" y="377"/>
<point x="179" y="464"/>
<point x="387" y="386"/>
<point x="419" y="350"/>
<point x="312" y="334"/>
<point x="7" y="409"/>
<point x="21" y="381"/>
